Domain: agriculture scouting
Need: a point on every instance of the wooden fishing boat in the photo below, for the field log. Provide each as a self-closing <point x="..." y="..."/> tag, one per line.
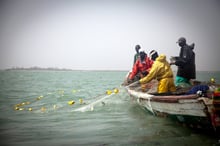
<point x="200" y="111"/>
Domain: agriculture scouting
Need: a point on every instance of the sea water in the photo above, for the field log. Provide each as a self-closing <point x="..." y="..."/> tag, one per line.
<point x="40" y="108"/>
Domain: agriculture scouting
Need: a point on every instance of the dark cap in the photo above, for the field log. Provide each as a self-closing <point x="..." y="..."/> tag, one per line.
<point x="137" y="47"/>
<point x="181" y="40"/>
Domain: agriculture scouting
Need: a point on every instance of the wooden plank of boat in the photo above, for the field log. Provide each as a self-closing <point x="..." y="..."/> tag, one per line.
<point x="163" y="98"/>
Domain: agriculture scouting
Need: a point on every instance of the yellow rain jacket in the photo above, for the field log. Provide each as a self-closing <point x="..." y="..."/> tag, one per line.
<point x="163" y="73"/>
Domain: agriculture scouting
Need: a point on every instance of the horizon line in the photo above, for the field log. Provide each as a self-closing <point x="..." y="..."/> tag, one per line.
<point x="68" y="69"/>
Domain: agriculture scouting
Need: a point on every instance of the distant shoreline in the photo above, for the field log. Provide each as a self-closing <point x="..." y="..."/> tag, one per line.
<point x="38" y="68"/>
<point x="53" y="69"/>
<point x="66" y="69"/>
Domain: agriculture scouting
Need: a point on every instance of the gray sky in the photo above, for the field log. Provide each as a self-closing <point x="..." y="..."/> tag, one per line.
<point x="101" y="34"/>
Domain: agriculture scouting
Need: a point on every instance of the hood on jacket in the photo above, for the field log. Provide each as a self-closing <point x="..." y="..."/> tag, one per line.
<point x="192" y="46"/>
<point x="161" y="58"/>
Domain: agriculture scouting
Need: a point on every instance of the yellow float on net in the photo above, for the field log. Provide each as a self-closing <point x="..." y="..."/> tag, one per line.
<point x="38" y="98"/>
<point x="81" y="101"/>
<point x="43" y="109"/>
<point x="20" y="109"/>
<point x="74" y="91"/>
<point x="212" y="80"/>
<point x="19" y="104"/>
<point x="116" y="90"/>
<point x="71" y="102"/>
<point x="54" y="106"/>
<point x="16" y="108"/>
<point x="108" y="92"/>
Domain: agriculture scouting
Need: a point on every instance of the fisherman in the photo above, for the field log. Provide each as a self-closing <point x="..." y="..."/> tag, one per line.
<point x="141" y="67"/>
<point x="137" y="48"/>
<point x="162" y="72"/>
<point x="153" y="55"/>
<point x="185" y="62"/>
<point x="136" y="56"/>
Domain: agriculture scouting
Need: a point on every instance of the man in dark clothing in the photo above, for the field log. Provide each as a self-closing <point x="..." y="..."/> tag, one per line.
<point x="185" y="62"/>
<point x="137" y="48"/>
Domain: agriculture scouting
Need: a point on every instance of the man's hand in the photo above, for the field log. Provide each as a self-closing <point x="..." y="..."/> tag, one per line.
<point x="172" y="60"/>
<point x="129" y="81"/>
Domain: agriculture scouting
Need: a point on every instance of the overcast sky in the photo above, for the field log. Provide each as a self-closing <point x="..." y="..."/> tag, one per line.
<point x="102" y="34"/>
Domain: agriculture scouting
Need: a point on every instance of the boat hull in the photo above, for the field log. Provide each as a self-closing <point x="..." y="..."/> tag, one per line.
<point x="188" y="110"/>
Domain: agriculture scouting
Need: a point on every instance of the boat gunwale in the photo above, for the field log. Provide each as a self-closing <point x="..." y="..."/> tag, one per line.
<point x="162" y="98"/>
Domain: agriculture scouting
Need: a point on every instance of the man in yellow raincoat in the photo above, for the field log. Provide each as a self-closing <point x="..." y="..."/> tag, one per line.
<point x="161" y="71"/>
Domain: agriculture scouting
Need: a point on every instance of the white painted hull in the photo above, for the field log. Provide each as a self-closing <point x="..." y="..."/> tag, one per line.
<point x="186" y="107"/>
<point x="203" y="112"/>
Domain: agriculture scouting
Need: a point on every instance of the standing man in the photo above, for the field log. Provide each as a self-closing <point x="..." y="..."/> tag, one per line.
<point x="136" y="58"/>
<point x="185" y="62"/>
<point x="137" y="48"/>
